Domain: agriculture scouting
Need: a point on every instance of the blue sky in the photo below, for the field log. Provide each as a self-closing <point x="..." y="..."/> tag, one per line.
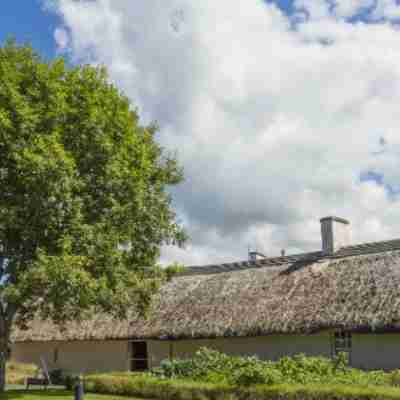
<point x="28" y="22"/>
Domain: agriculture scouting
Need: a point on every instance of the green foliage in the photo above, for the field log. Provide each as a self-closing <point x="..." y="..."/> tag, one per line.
<point x="255" y="374"/>
<point x="63" y="378"/>
<point x="57" y="376"/>
<point x="212" y="366"/>
<point x="83" y="206"/>
<point x="84" y="203"/>
<point x="146" y="386"/>
<point x="171" y="270"/>
<point x="70" y="381"/>
<point x="341" y="361"/>
<point x="18" y="372"/>
<point x="394" y="377"/>
<point x="205" y="364"/>
<point x="176" y="368"/>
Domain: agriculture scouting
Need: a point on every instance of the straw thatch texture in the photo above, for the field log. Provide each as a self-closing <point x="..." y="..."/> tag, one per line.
<point x="101" y="327"/>
<point x="303" y="296"/>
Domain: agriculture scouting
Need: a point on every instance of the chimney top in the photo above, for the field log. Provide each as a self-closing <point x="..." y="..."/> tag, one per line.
<point x="335" y="234"/>
<point x="337" y="219"/>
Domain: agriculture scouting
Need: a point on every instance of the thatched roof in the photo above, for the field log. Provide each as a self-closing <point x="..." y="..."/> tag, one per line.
<point x="357" y="288"/>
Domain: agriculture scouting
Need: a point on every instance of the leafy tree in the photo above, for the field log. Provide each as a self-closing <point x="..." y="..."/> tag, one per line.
<point x="84" y="206"/>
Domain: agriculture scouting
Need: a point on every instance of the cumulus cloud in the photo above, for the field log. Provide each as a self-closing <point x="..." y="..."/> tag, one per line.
<point x="275" y="118"/>
<point x="61" y="38"/>
<point x="387" y="9"/>
<point x="348" y="8"/>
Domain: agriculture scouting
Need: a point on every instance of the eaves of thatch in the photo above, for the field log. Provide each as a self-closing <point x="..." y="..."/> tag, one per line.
<point x="356" y="288"/>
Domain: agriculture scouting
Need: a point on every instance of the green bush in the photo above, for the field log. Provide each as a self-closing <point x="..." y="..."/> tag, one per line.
<point x="146" y="386"/>
<point x="255" y="375"/>
<point x="18" y="372"/>
<point x="175" y="368"/>
<point x="57" y="376"/>
<point x="64" y="378"/>
<point x="70" y="381"/>
<point x="213" y="367"/>
<point x="394" y="377"/>
<point x="205" y="363"/>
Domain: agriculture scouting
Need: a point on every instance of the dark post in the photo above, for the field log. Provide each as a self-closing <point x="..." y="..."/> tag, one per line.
<point x="79" y="389"/>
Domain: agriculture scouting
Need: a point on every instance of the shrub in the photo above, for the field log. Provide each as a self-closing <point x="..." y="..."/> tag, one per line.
<point x="302" y="369"/>
<point x="213" y="367"/>
<point x="255" y="374"/>
<point x="341" y="361"/>
<point x="175" y="368"/>
<point x="394" y="377"/>
<point x="18" y="372"/>
<point x="57" y="376"/>
<point x="204" y="363"/>
<point x="70" y="380"/>
<point x="146" y="386"/>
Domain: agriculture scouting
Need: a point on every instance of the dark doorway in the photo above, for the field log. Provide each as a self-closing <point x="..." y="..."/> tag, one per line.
<point x="138" y="354"/>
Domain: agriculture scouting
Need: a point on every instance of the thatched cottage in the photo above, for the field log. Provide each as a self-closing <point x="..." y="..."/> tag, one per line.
<point x="341" y="298"/>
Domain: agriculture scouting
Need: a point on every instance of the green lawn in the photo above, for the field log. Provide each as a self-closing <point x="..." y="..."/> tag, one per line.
<point x="55" y="395"/>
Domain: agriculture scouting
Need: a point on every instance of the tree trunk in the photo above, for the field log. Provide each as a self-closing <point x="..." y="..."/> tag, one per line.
<point x="4" y="343"/>
<point x="3" y="359"/>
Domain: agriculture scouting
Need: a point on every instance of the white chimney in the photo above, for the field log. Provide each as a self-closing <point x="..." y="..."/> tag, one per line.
<point x="335" y="234"/>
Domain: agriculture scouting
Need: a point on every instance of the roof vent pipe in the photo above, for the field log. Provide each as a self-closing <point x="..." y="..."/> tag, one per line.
<point x="335" y="234"/>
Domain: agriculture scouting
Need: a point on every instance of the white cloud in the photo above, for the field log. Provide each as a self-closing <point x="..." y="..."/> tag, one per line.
<point x="387" y="9"/>
<point x="349" y="8"/>
<point x="273" y="127"/>
<point x="61" y="38"/>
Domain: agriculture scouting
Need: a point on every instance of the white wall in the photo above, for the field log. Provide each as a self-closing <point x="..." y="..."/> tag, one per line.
<point x="98" y="356"/>
<point x="368" y="351"/>
<point x="158" y="351"/>
<point x="376" y="351"/>
<point x="77" y="357"/>
<point x="267" y="347"/>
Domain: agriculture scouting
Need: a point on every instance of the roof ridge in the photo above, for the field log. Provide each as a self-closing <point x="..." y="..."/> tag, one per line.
<point x="359" y="249"/>
<point x="238" y="265"/>
<point x="364" y="244"/>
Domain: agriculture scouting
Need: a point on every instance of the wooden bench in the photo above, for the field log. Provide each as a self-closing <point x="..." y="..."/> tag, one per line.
<point x="37" y="382"/>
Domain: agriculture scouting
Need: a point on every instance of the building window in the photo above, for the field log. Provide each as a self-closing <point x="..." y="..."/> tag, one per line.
<point x="138" y="356"/>
<point x="341" y="343"/>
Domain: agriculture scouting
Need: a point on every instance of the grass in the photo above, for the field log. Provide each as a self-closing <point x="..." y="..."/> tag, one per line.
<point x="54" y="395"/>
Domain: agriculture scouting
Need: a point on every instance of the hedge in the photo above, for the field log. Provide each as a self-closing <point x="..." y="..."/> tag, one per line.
<point x="140" y="385"/>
